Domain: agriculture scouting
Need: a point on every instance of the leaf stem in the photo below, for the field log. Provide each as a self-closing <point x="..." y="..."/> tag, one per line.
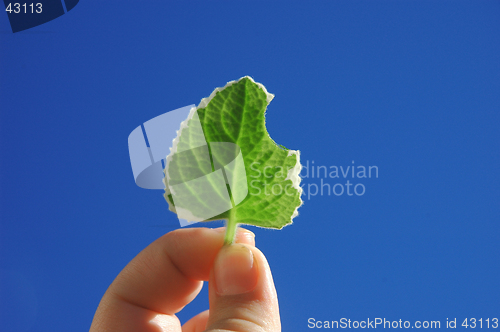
<point x="231" y="228"/>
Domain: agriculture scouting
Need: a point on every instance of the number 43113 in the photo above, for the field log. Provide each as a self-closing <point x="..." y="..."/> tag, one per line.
<point x="479" y="323"/>
<point x="25" y="8"/>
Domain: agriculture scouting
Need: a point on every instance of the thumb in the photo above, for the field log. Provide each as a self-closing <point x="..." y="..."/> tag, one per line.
<point x="242" y="293"/>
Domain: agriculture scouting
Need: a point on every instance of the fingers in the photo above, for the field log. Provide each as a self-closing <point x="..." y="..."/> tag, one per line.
<point x="162" y="279"/>
<point x="166" y="275"/>
<point x="242" y="293"/>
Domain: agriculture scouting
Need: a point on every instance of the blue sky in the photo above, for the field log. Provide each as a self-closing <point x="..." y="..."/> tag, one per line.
<point x="411" y="87"/>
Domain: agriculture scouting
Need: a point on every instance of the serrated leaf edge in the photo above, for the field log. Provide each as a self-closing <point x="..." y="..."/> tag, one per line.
<point x="294" y="176"/>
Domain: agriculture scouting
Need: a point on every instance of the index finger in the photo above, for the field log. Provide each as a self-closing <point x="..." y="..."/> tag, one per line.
<point x="166" y="275"/>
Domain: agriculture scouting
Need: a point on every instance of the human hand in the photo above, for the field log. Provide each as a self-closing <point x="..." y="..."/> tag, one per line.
<point x="169" y="273"/>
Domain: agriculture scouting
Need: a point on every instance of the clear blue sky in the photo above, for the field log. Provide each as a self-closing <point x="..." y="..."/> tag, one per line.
<point x="412" y="87"/>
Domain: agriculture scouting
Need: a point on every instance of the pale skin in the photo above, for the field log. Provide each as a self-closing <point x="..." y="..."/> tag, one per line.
<point x="169" y="273"/>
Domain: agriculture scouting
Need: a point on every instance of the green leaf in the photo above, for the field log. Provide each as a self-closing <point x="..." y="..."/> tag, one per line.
<point x="224" y="165"/>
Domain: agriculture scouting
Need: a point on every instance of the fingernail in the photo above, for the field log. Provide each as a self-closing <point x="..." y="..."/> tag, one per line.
<point x="235" y="270"/>
<point x="219" y="229"/>
<point x="245" y="234"/>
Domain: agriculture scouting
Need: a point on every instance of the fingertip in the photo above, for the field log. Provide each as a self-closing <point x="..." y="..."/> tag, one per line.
<point x="242" y="295"/>
<point x="243" y="235"/>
